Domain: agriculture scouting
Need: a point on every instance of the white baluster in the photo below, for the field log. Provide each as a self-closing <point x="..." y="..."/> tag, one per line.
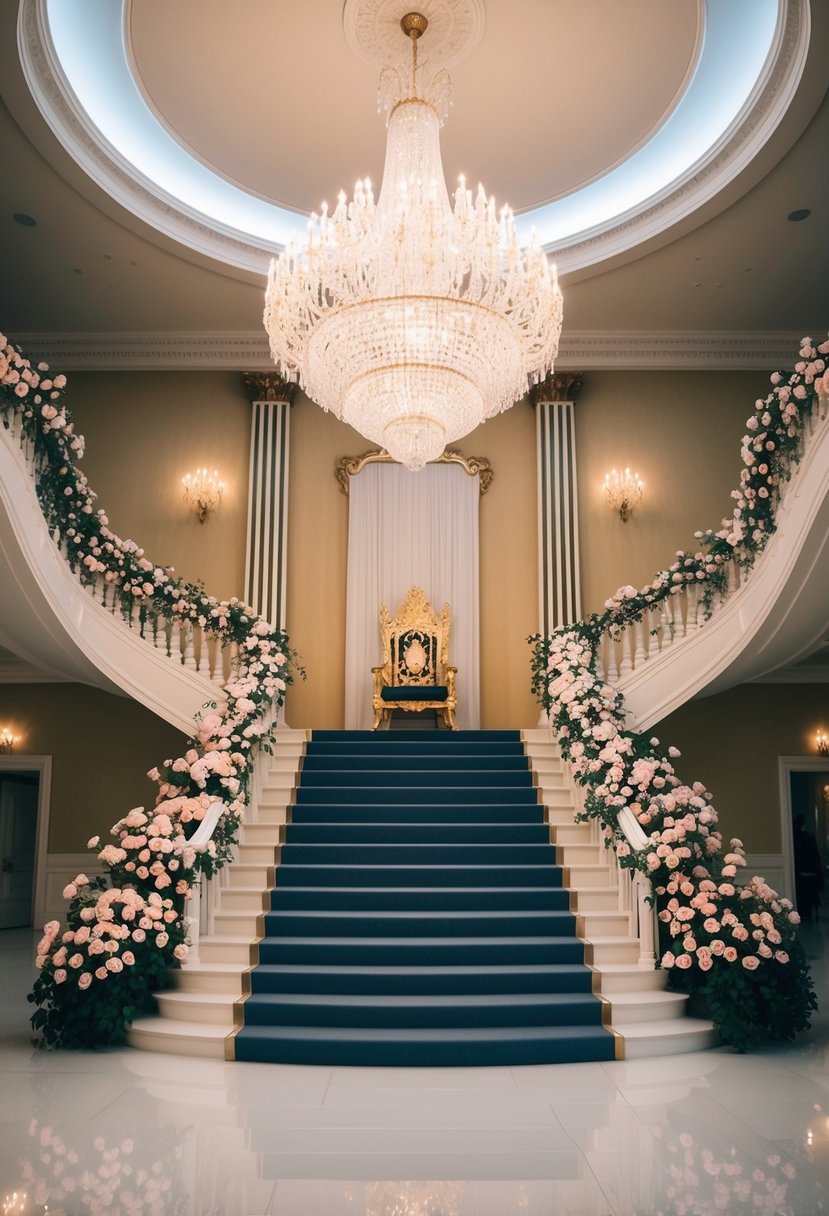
<point x="648" y="925"/>
<point x="612" y="669"/>
<point x="733" y="577"/>
<point x="235" y="659"/>
<point x="626" y="666"/>
<point x="693" y="609"/>
<point x="176" y="643"/>
<point x="638" y="643"/>
<point x="655" y="630"/>
<point x="680" y="608"/>
<point x="189" y="659"/>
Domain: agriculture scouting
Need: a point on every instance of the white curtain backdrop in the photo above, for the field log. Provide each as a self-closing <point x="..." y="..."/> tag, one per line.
<point x="408" y="529"/>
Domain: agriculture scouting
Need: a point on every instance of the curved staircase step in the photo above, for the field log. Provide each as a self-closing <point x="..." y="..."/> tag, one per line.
<point x="468" y="1047"/>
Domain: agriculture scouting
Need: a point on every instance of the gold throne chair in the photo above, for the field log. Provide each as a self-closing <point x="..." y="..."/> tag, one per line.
<point x="415" y="673"/>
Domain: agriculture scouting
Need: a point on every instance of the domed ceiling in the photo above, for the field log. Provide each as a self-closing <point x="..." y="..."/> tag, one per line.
<point x="602" y="124"/>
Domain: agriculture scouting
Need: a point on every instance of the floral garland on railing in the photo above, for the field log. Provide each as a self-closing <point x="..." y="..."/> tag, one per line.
<point x="719" y="933"/>
<point x="126" y="929"/>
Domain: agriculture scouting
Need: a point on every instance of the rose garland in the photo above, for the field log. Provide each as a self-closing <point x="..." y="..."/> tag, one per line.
<point x="719" y="933"/>
<point x="113" y="943"/>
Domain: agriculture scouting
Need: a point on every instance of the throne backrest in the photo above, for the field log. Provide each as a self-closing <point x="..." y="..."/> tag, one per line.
<point x="415" y="642"/>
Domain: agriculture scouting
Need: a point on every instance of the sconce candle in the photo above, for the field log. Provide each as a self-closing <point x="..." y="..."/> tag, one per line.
<point x="7" y="741"/>
<point x="203" y="490"/>
<point x="822" y="742"/>
<point x="623" y="491"/>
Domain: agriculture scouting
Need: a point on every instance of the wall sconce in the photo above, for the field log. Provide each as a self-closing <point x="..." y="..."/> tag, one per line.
<point x="7" y="741"/>
<point x="203" y="490"/>
<point x="822" y="743"/>
<point x="623" y="491"/>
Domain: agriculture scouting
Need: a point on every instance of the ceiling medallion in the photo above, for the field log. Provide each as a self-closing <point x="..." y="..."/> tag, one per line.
<point x="413" y="319"/>
<point x="372" y="29"/>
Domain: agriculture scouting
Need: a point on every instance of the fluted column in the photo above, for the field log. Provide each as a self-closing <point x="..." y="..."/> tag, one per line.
<point x="559" y="594"/>
<point x="267" y="533"/>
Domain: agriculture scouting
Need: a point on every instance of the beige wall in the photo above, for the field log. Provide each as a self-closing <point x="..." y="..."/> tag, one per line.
<point x="731" y="742"/>
<point x="144" y="431"/>
<point x="101" y="747"/>
<point x="680" y="430"/>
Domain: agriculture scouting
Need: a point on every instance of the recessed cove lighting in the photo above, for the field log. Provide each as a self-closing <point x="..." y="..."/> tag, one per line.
<point x="802" y="213"/>
<point x="28" y="221"/>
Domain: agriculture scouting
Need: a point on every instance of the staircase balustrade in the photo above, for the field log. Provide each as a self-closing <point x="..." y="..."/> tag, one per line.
<point x="182" y="642"/>
<point x="626" y="647"/>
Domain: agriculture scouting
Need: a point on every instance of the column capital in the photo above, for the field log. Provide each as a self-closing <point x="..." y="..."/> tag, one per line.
<point x="268" y="386"/>
<point x="556" y="386"/>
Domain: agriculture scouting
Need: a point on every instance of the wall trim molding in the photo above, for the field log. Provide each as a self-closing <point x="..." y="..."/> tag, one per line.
<point x="735" y="350"/>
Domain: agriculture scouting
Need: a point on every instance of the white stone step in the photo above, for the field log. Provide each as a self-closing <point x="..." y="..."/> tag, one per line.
<point x="179" y="1038"/>
<point x="561" y="814"/>
<point x="571" y="833"/>
<point x="672" y="1037"/>
<point x="555" y="797"/>
<point x="605" y="924"/>
<point x="200" y="976"/>
<point x="585" y="876"/>
<point x="241" y="899"/>
<point x="550" y="773"/>
<point x="594" y="899"/>
<point x="635" y="1008"/>
<point x="209" y="1008"/>
<point x="219" y="948"/>
<point x="236" y="924"/>
<point x="258" y="854"/>
<point x="539" y="736"/>
<point x="582" y="855"/>
<point x="276" y="814"/>
<point x="278" y="781"/>
<point x="287" y="761"/>
<point x="247" y="875"/>
<point x="612" y="949"/>
<point x="619" y="978"/>
<point x="260" y="833"/>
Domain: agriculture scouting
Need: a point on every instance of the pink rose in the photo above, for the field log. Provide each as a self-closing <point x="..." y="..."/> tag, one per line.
<point x="781" y="956"/>
<point x="730" y="954"/>
<point x="751" y="962"/>
<point x="684" y="962"/>
<point x="60" y="975"/>
<point x="84" y="979"/>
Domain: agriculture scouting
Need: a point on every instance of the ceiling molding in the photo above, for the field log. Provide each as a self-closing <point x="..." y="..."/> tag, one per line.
<point x="695" y="351"/>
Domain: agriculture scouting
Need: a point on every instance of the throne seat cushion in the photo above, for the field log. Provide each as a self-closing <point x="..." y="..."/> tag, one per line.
<point x="415" y="692"/>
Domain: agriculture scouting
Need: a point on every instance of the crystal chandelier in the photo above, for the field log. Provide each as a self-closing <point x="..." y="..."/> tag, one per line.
<point x="413" y="319"/>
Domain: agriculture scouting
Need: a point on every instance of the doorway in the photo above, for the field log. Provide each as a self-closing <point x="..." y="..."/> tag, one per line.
<point x="804" y="790"/>
<point x="18" y="839"/>
<point x="810" y="804"/>
<point x="25" y="793"/>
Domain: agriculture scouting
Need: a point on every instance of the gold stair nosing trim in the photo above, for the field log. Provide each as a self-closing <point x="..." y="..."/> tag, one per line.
<point x="230" y="1045"/>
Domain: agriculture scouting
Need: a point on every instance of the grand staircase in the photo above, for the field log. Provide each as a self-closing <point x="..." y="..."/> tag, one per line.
<point x="420" y="898"/>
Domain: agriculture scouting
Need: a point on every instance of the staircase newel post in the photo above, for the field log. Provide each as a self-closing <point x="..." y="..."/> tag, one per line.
<point x="647" y="921"/>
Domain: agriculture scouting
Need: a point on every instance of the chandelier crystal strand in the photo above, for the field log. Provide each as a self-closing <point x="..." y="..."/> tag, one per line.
<point x="414" y="318"/>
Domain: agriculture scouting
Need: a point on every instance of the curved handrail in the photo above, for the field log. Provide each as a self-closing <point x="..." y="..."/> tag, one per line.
<point x="69" y="625"/>
<point x="762" y="619"/>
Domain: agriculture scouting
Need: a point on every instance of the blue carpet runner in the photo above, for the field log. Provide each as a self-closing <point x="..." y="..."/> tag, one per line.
<point x="418" y="916"/>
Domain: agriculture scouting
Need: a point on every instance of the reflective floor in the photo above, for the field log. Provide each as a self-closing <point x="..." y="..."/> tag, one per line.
<point x="150" y="1135"/>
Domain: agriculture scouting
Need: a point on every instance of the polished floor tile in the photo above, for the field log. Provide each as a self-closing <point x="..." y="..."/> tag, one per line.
<point x="123" y="1133"/>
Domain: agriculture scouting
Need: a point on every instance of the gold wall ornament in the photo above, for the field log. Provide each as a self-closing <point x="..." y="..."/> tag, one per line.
<point x="269" y="386"/>
<point x="556" y="386"/>
<point x="475" y="466"/>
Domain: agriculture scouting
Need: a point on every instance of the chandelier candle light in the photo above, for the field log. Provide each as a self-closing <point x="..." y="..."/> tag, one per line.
<point x="623" y="491"/>
<point x="413" y="319"/>
<point x="203" y="490"/>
